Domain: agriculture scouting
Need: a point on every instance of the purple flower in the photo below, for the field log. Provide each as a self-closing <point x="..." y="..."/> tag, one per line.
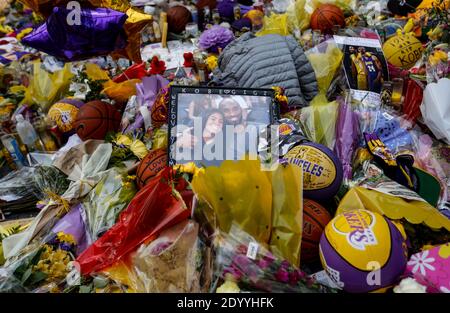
<point x="285" y="264"/>
<point x="216" y="37"/>
<point x="282" y="275"/>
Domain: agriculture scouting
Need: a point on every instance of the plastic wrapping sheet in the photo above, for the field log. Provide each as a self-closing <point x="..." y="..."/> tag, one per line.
<point x="319" y="118"/>
<point x="88" y="174"/>
<point x="170" y="263"/>
<point x="244" y="261"/>
<point x="326" y="59"/>
<point x="46" y="88"/>
<point x="435" y="109"/>
<point x="154" y="208"/>
<point x="105" y="202"/>
<point x="265" y="204"/>
<point x="393" y="207"/>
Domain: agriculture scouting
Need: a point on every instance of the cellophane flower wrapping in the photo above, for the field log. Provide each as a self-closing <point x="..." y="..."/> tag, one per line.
<point x="105" y="202"/>
<point x="154" y="208"/>
<point x="43" y="265"/>
<point x="257" y="271"/>
<point x="170" y="263"/>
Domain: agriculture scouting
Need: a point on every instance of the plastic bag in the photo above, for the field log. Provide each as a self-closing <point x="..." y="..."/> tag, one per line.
<point x="121" y="92"/>
<point x="242" y="260"/>
<point x="435" y="109"/>
<point x="267" y="205"/>
<point x="47" y="88"/>
<point x="319" y="118"/>
<point x="105" y="202"/>
<point x="170" y="263"/>
<point x="275" y="24"/>
<point x="85" y="177"/>
<point x="326" y="59"/>
<point x="393" y="207"/>
<point x="347" y="134"/>
<point x="154" y="208"/>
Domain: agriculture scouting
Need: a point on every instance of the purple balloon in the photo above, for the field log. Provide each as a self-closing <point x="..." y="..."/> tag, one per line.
<point x="99" y="32"/>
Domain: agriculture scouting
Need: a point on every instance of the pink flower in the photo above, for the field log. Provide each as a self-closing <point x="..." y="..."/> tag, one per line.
<point x="263" y="263"/>
<point x="282" y="275"/>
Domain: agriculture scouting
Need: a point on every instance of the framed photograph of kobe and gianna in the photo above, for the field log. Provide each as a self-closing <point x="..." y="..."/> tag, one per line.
<point x="208" y="125"/>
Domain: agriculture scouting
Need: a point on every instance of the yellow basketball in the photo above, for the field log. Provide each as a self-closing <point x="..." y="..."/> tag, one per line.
<point x="403" y="50"/>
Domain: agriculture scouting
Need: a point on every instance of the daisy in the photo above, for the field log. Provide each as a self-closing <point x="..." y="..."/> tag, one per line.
<point x="420" y="262"/>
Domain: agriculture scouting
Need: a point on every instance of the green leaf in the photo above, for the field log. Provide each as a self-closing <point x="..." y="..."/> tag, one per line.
<point x="26" y="275"/>
<point x="86" y="289"/>
<point x="37" y="277"/>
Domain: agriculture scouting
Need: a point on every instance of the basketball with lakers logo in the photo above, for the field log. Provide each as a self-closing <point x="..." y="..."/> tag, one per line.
<point x="362" y="251"/>
<point x="322" y="170"/>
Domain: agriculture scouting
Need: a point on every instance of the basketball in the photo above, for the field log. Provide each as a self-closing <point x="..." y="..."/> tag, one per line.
<point x="150" y="166"/>
<point x="177" y="18"/>
<point x="362" y="251"/>
<point x="64" y="113"/>
<point x="322" y="170"/>
<point x="315" y="218"/>
<point x="403" y="50"/>
<point x="326" y="16"/>
<point x="95" y="119"/>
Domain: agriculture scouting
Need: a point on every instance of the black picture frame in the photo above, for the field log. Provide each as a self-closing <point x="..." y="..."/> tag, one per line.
<point x="173" y="106"/>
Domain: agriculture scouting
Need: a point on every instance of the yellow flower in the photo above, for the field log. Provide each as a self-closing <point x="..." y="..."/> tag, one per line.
<point x="189" y="168"/>
<point x="67" y="238"/>
<point x="211" y="61"/>
<point x="228" y="287"/>
<point x="123" y="140"/>
<point x="139" y="149"/>
<point x="23" y="33"/>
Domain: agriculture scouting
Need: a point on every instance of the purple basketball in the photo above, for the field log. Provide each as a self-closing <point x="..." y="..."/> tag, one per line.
<point x="362" y="251"/>
<point x="322" y="170"/>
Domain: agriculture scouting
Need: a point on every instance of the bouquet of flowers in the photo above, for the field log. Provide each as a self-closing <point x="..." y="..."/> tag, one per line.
<point x="247" y="264"/>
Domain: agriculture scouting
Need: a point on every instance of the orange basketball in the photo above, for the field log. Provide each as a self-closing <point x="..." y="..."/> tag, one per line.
<point x="95" y="119"/>
<point x="150" y="166"/>
<point x="326" y="16"/>
<point x="315" y="218"/>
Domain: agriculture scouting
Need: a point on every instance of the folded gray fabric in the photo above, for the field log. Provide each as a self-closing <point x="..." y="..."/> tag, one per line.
<point x="267" y="61"/>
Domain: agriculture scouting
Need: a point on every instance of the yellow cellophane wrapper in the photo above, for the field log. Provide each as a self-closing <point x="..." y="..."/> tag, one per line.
<point x="266" y="205"/>
<point x="300" y="11"/>
<point x="122" y="273"/>
<point x="395" y="208"/>
<point x="275" y="24"/>
<point x="46" y="88"/>
<point x="320" y="120"/>
<point x="94" y="72"/>
<point x="287" y="212"/>
<point x="120" y="92"/>
<point x="325" y="64"/>
<point x="159" y="140"/>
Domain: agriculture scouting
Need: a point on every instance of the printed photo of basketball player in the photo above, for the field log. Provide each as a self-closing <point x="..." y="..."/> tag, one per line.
<point x="207" y="121"/>
<point x="365" y="68"/>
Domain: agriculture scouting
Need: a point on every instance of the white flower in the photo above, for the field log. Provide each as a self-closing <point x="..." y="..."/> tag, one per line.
<point x="444" y="289"/>
<point x="420" y="262"/>
<point x="81" y="90"/>
<point x="410" y="285"/>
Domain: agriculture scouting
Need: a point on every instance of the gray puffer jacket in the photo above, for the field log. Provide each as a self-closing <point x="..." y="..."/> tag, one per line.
<point x="267" y="61"/>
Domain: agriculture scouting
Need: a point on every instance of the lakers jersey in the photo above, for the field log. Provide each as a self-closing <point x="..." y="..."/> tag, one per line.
<point x="361" y="74"/>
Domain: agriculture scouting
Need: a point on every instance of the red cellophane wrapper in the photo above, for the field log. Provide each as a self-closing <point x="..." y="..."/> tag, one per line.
<point x="413" y="100"/>
<point x="154" y="208"/>
<point x="136" y="71"/>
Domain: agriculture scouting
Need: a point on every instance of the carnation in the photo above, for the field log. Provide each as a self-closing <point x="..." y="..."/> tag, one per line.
<point x="216" y="37"/>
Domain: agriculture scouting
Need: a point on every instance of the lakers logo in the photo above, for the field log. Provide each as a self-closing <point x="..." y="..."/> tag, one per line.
<point x="358" y="229"/>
